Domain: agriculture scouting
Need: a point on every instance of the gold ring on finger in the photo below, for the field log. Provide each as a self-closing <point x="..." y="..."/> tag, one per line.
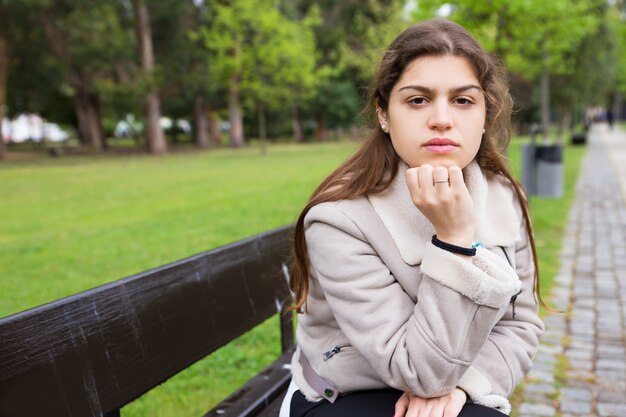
<point x="440" y="181"/>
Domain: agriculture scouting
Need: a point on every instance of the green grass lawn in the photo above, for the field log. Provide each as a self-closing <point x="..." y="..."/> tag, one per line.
<point x="73" y="223"/>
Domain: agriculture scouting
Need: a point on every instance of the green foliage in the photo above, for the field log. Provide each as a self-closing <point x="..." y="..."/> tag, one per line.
<point x="521" y="32"/>
<point x="95" y="38"/>
<point x="35" y="79"/>
<point x="350" y="38"/>
<point x="617" y="27"/>
<point x="181" y="57"/>
<point x="257" y="50"/>
<point x="587" y="81"/>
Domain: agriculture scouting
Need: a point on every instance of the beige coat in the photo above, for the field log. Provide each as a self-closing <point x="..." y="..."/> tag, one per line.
<point x="386" y="308"/>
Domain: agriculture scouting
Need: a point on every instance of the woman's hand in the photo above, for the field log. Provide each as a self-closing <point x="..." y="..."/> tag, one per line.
<point x="449" y="405"/>
<point x="441" y="195"/>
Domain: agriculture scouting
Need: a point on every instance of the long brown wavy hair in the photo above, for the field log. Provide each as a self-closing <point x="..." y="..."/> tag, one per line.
<point x="372" y="168"/>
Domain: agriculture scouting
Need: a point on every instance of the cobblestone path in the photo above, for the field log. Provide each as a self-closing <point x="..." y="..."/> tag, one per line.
<point x="580" y="369"/>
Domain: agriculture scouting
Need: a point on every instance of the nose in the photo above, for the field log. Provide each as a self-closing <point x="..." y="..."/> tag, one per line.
<point x="440" y="118"/>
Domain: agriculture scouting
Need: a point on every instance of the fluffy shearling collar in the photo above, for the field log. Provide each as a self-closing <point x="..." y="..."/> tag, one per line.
<point x="497" y="220"/>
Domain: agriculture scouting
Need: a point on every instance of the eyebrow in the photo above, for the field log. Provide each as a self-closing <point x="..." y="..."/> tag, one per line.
<point x="455" y="90"/>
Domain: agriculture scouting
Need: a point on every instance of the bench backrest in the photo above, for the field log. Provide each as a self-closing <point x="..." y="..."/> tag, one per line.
<point x="91" y="353"/>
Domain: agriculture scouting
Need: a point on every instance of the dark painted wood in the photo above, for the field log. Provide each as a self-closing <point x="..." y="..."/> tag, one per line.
<point x="91" y="353"/>
<point x="258" y="393"/>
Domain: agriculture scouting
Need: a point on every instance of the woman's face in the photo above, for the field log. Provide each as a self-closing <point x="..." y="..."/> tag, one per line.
<point x="436" y="112"/>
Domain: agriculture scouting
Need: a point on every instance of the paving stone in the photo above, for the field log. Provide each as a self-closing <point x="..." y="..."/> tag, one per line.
<point x="576" y="407"/>
<point x="584" y="365"/>
<point x="585" y="302"/>
<point x="611" y="374"/>
<point x="580" y="375"/>
<point x="575" y="394"/>
<point x="611" y="396"/>
<point x="541" y="388"/>
<point x="542" y="410"/>
<point x="579" y="354"/>
<point x="612" y="409"/>
<point x="541" y="376"/>
<point x="545" y="359"/>
<point x="614" y="364"/>
<point x="552" y="339"/>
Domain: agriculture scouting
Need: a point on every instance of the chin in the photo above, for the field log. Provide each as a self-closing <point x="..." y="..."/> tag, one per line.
<point x="440" y="162"/>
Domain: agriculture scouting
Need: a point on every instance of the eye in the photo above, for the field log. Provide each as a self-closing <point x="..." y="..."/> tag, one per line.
<point x="464" y="101"/>
<point x="417" y="100"/>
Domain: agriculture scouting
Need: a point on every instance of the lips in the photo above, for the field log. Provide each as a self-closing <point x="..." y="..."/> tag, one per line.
<point x="441" y="145"/>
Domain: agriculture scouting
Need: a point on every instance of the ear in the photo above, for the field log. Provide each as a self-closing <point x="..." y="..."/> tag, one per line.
<point x="382" y="116"/>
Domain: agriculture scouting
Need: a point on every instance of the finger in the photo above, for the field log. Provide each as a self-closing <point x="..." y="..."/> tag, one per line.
<point x="425" y="177"/>
<point x="440" y="175"/>
<point x="442" y="182"/>
<point x="456" y="177"/>
<point x="412" y="182"/>
<point x="401" y="405"/>
<point x="416" y="407"/>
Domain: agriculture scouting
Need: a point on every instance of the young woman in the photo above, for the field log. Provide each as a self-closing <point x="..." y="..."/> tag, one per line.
<point x="414" y="262"/>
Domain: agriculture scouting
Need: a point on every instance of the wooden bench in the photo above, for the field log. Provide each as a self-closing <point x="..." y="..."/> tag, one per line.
<point x="94" y="352"/>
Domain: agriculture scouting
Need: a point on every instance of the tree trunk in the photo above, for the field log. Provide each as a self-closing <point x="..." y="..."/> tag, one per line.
<point x="201" y="123"/>
<point x="215" y="130"/>
<point x="4" y="73"/>
<point x="320" y="129"/>
<point x="235" y="116"/>
<point x="566" y="123"/>
<point x="545" y="99"/>
<point x="89" y="120"/>
<point x="298" y="133"/>
<point x="154" y="134"/>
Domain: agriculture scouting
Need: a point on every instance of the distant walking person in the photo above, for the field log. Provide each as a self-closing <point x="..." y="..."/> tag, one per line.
<point x="402" y="311"/>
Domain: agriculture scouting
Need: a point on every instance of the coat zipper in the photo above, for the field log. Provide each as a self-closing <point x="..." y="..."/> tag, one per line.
<point x="514" y="298"/>
<point x="334" y="351"/>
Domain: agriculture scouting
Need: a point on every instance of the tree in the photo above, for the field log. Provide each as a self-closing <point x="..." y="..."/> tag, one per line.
<point x="184" y="68"/>
<point x="152" y="110"/>
<point x="15" y="16"/>
<point x="87" y="38"/>
<point x="284" y="57"/>
<point x="350" y="39"/>
<point x="617" y="29"/>
<point x="248" y="57"/>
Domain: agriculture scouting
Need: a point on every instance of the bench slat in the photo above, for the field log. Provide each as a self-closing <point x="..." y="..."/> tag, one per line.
<point x="91" y="353"/>
<point x="254" y="396"/>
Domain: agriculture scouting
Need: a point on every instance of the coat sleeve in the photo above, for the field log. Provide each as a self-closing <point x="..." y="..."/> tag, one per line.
<point x="507" y="355"/>
<point x="423" y="346"/>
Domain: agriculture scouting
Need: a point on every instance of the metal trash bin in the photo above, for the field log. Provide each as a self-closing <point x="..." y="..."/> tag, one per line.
<point x="579" y="138"/>
<point x="549" y="173"/>
<point x="542" y="168"/>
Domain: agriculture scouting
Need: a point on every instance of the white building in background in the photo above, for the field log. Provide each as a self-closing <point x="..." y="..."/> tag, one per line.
<point x="31" y="127"/>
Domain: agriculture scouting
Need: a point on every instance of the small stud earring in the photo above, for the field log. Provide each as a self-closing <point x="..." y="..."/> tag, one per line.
<point x="384" y="128"/>
<point x="484" y="131"/>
